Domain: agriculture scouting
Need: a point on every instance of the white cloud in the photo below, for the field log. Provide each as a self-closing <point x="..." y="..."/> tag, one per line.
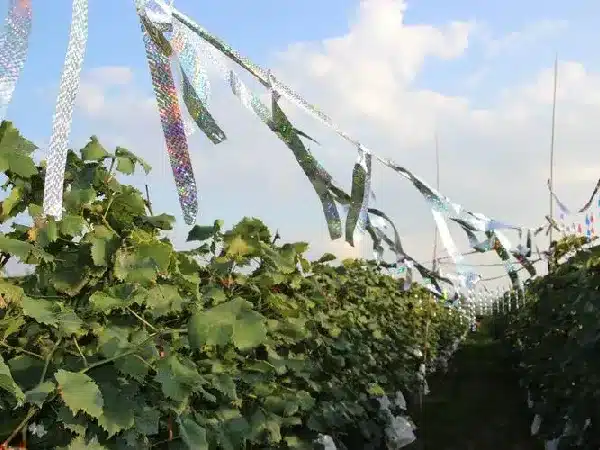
<point x="494" y="160"/>
<point x="523" y="39"/>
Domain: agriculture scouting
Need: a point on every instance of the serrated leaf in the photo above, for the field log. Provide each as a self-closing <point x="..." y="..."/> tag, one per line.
<point x="146" y="420"/>
<point x="10" y="293"/>
<point x="117" y="411"/>
<point x="177" y="380"/>
<point x="102" y="301"/>
<point x="234" y="321"/>
<point x="17" y="163"/>
<point x="11" y="139"/>
<point x="35" y="210"/>
<point x="216" y="294"/>
<point x="126" y="162"/>
<point x="162" y="221"/>
<point x="77" y="197"/>
<point x="81" y="443"/>
<point x="237" y="247"/>
<point x="72" y="225"/>
<point x="75" y="424"/>
<point x="103" y="245"/>
<point x="17" y="248"/>
<point x="8" y="384"/>
<point x="133" y="366"/>
<point x="201" y="233"/>
<point x="224" y="384"/>
<point x="125" y="165"/>
<point x="47" y="233"/>
<point x="69" y="322"/>
<point x="39" y="394"/>
<point x="192" y="434"/>
<point x="161" y="299"/>
<point x="327" y="257"/>
<point x="40" y="310"/>
<point x="10" y="202"/>
<point x="144" y="263"/>
<point x="93" y="151"/>
<point x="80" y="393"/>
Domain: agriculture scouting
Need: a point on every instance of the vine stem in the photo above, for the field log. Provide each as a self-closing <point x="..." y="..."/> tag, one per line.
<point x="141" y="319"/>
<point x="21" y="350"/>
<point x="48" y="359"/>
<point x="133" y="350"/>
<point x="33" y="410"/>
<point x="85" y="362"/>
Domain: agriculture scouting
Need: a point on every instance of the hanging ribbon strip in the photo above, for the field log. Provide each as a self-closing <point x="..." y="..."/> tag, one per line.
<point x="318" y="177"/>
<point x="564" y="210"/>
<point x="321" y="181"/>
<point x="14" y="43"/>
<point x="157" y="54"/>
<point x="191" y="44"/>
<point x="61" y="127"/>
<point x="356" y="219"/>
<point x="195" y="84"/>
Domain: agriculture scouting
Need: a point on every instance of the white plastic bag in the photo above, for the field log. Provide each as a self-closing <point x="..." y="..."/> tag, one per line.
<point x="399" y="433"/>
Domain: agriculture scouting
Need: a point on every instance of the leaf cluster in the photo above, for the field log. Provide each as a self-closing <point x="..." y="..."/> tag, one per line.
<point x="556" y="341"/>
<point x="118" y="340"/>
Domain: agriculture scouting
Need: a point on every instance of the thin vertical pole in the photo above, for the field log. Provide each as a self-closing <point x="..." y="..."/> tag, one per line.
<point x="434" y="261"/>
<point x="551" y="181"/>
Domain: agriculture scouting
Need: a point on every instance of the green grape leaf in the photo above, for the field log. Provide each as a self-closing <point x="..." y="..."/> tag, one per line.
<point x="80" y="393"/>
<point x="40" y="393"/>
<point x="192" y="434"/>
<point x="8" y="384"/>
<point x="234" y="321"/>
<point x="94" y="151"/>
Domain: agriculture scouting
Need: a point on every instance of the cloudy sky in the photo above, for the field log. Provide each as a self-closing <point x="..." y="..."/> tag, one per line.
<point x="389" y="72"/>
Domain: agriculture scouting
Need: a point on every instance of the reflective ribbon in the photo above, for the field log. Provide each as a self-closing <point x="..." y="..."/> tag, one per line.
<point x="61" y="127"/>
<point x="14" y="43"/>
<point x="313" y="171"/>
<point x="564" y="210"/>
<point x="281" y="126"/>
<point x="356" y="219"/>
<point x="171" y="120"/>
<point x="446" y="208"/>
<point x="195" y="83"/>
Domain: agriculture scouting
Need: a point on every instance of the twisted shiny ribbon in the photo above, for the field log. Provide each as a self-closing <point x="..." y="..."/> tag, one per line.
<point x="442" y="208"/>
<point x="157" y="53"/>
<point x="14" y="43"/>
<point x="195" y="85"/>
<point x="61" y="127"/>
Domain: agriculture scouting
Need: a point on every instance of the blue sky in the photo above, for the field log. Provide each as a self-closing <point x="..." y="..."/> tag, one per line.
<point x="500" y="133"/>
<point x="263" y="27"/>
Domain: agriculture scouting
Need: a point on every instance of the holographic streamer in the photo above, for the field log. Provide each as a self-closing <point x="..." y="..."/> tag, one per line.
<point x="195" y="84"/>
<point x="61" y="126"/>
<point x="378" y="225"/>
<point x="316" y="175"/>
<point x="14" y="43"/>
<point x="172" y="125"/>
<point x="585" y="207"/>
<point x="449" y="245"/>
<point x="442" y="204"/>
<point x="502" y="247"/>
<point x="203" y="119"/>
<point x="356" y="219"/>
<point x="248" y="99"/>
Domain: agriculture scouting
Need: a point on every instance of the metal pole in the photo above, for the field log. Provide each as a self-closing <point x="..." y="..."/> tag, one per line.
<point x="551" y="181"/>
<point x="434" y="262"/>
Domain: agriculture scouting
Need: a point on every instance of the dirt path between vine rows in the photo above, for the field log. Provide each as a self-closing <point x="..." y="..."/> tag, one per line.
<point x="476" y="405"/>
